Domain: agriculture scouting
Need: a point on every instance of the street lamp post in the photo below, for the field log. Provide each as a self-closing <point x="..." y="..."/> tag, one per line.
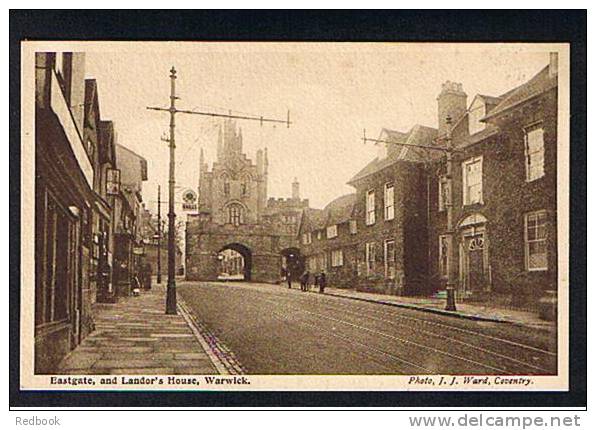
<point x="450" y="287"/>
<point x="171" y="289"/>
<point x="159" y="232"/>
<point x="448" y="150"/>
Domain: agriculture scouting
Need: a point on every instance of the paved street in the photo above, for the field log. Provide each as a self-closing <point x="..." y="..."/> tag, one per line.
<point x="274" y="330"/>
<point x="134" y="336"/>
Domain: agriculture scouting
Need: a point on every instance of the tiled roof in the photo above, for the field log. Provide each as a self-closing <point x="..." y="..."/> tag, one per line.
<point x="539" y="84"/>
<point x="340" y="209"/>
<point x="491" y="100"/>
<point x="395" y="136"/>
<point x="418" y="135"/>
<point x="337" y="212"/>
<point x="313" y="219"/>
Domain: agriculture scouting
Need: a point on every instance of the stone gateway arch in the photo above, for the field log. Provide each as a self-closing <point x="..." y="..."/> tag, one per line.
<point x="236" y="214"/>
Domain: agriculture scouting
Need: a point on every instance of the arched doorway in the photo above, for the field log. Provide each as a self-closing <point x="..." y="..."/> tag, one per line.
<point x="473" y="255"/>
<point x="292" y="262"/>
<point x="234" y="263"/>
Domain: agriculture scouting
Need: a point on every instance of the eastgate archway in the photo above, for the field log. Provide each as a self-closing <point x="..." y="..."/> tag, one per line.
<point x="235" y="262"/>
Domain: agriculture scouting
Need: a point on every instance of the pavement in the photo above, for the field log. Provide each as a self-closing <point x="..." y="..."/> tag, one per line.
<point x="135" y="336"/>
<point x="464" y="310"/>
<point x="275" y="330"/>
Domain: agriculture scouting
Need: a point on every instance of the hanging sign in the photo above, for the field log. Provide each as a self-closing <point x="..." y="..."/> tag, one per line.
<point x="113" y="182"/>
<point x="189" y="200"/>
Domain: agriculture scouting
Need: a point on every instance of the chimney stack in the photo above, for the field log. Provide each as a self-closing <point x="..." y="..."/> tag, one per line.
<point x="452" y="103"/>
<point x="553" y="66"/>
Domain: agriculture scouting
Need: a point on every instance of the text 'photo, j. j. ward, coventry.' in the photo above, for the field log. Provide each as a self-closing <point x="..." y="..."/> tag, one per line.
<point x="294" y="216"/>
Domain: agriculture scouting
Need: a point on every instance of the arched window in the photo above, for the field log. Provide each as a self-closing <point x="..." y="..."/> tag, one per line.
<point x="235" y="214"/>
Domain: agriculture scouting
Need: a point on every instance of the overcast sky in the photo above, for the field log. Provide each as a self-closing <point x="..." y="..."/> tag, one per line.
<point x="333" y="92"/>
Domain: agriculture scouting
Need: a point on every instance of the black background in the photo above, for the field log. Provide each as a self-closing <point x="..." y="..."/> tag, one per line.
<point x="432" y="26"/>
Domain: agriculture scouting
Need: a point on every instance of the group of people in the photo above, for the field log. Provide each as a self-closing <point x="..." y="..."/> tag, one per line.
<point x="307" y="280"/>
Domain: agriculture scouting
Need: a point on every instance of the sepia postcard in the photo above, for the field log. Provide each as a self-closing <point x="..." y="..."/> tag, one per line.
<point x="294" y="216"/>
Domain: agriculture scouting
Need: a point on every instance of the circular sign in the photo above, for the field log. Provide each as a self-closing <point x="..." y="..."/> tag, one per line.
<point x="189" y="196"/>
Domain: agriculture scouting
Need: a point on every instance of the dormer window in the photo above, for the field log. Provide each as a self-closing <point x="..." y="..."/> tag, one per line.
<point x="476" y="113"/>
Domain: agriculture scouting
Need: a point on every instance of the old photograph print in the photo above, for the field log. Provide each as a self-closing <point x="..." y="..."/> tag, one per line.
<point x="294" y="216"/>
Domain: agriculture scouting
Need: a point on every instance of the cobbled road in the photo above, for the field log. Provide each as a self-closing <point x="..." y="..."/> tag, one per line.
<point x="274" y="330"/>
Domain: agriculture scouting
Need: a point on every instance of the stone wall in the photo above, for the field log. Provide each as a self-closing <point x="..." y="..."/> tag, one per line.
<point x="204" y="240"/>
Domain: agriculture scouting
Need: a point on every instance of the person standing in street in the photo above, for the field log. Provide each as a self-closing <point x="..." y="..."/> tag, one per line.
<point x="322" y="282"/>
<point x="304" y="281"/>
<point x="289" y="277"/>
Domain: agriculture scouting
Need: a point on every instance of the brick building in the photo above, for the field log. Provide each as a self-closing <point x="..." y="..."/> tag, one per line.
<point x="235" y="213"/>
<point x="375" y="239"/>
<point x="501" y="194"/>
<point x="327" y="240"/>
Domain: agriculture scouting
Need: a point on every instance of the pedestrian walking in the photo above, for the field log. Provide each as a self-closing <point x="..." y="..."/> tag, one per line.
<point x="289" y="278"/>
<point x="322" y="282"/>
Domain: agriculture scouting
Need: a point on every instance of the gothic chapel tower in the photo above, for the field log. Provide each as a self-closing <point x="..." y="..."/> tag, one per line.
<point x="236" y="214"/>
<point x="235" y="190"/>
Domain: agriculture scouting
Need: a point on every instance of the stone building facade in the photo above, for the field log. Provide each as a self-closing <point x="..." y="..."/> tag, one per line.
<point x="235" y="213"/>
